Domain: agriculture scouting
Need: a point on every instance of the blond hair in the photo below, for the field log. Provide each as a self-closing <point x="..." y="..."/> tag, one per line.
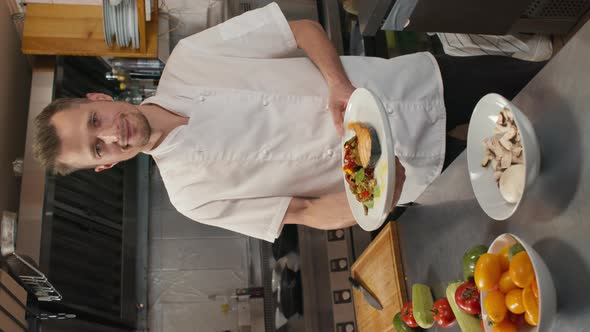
<point x="46" y="145"/>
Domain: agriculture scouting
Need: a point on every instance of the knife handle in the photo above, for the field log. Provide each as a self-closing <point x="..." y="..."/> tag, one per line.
<point x="354" y="283"/>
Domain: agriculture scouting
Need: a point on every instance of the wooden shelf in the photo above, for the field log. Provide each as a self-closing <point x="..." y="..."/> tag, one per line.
<point x="55" y="29"/>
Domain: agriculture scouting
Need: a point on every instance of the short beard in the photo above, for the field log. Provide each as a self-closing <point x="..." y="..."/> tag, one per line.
<point x="144" y="128"/>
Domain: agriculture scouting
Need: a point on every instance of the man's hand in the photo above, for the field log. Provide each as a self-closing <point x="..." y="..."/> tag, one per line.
<point x="311" y="38"/>
<point x="339" y="95"/>
<point x="400" y="178"/>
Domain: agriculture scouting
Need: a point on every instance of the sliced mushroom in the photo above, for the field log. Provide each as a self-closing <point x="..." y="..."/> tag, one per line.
<point x="501" y="119"/>
<point x="511" y="133"/>
<point x="505" y="142"/>
<point x="501" y="129"/>
<point x="507" y="114"/>
<point x="512" y="183"/>
<point x="503" y="149"/>
<point x="497" y="148"/>
<point x="486" y="158"/>
<point x="518" y="159"/>
<point x="516" y="150"/>
<point x="506" y="160"/>
<point x="495" y="164"/>
<point x="497" y="175"/>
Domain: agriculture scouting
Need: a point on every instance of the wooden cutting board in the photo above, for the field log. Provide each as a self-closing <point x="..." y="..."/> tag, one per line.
<point x="379" y="269"/>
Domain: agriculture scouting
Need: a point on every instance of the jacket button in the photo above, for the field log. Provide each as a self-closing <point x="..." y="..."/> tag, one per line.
<point x="265" y="102"/>
<point x="201" y="98"/>
<point x="389" y="110"/>
<point x="330" y="152"/>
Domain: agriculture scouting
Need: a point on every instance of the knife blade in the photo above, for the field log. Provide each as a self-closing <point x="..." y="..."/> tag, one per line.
<point x="369" y="298"/>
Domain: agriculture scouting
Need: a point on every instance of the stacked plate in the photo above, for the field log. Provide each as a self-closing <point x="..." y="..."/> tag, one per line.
<point x="148" y="9"/>
<point x="120" y="23"/>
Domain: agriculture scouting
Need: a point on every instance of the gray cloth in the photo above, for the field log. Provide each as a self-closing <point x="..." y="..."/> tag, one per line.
<point x="399" y="15"/>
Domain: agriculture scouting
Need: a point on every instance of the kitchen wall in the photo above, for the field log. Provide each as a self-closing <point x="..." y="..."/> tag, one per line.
<point x="15" y="82"/>
<point x="192" y="267"/>
<point x="187" y="17"/>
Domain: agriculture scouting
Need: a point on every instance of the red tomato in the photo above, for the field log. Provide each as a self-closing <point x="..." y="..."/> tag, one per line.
<point x="350" y="165"/>
<point x="442" y="312"/>
<point x="408" y="315"/>
<point x="467" y="298"/>
<point x="365" y="194"/>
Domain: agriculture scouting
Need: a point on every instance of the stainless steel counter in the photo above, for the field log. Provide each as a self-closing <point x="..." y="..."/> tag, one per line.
<point x="555" y="213"/>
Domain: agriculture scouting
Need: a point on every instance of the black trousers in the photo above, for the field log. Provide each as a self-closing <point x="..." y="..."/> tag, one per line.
<point x="467" y="79"/>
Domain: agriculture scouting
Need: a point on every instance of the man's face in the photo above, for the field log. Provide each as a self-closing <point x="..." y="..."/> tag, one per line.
<point x="100" y="133"/>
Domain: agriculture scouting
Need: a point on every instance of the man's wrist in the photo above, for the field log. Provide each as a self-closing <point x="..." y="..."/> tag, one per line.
<point x="339" y="82"/>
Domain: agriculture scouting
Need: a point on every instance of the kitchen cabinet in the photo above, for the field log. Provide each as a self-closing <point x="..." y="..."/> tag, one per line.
<point x="57" y="29"/>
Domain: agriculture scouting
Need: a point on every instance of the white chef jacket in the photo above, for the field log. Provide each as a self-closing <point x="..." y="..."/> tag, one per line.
<point x="259" y="133"/>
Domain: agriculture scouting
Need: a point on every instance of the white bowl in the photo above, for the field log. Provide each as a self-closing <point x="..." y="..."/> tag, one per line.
<point x="547" y="296"/>
<point x="481" y="126"/>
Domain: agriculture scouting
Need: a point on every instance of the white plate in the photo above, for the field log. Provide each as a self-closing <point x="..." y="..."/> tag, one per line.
<point x="148" y="9"/>
<point x="124" y="23"/>
<point x="129" y="21"/>
<point x="105" y="22"/>
<point x="366" y="108"/>
<point x="135" y="26"/>
<point x="112" y="25"/>
<point x="118" y="24"/>
<point x="129" y="25"/>
<point x="481" y="126"/>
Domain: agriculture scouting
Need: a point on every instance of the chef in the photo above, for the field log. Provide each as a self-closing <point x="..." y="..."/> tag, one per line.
<point x="246" y="132"/>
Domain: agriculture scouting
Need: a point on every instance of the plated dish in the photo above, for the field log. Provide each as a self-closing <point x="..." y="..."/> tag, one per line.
<point x="361" y="153"/>
<point x="370" y="179"/>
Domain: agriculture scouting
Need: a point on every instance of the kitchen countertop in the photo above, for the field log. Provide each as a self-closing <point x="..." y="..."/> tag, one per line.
<point x="553" y="216"/>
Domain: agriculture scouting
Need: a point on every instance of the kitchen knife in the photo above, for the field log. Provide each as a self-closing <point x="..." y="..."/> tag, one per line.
<point x="370" y="298"/>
